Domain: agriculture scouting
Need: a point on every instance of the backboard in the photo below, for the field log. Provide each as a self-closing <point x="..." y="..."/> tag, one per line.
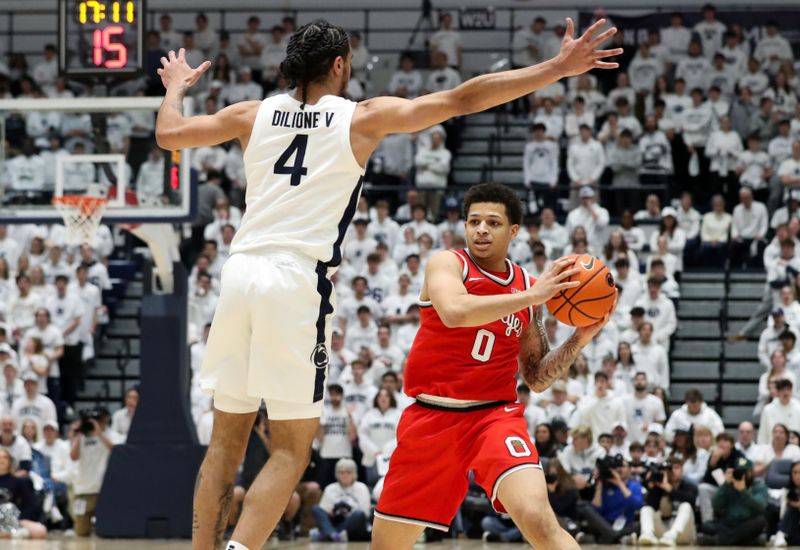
<point x="59" y="147"/>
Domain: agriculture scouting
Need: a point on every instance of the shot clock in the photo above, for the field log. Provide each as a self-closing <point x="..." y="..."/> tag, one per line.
<point x="101" y="37"/>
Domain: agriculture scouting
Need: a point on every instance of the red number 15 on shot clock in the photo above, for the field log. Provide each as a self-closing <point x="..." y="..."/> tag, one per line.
<point x="100" y="37"/>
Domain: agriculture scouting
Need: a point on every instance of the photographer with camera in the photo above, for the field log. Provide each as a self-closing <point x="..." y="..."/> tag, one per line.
<point x="92" y="440"/>
<point x="612" y="513"/>
<point x="723" y="456"/>
<point x="667" y="517"/>
<point x="342" y="512"/>
<point x="739" y="507"/>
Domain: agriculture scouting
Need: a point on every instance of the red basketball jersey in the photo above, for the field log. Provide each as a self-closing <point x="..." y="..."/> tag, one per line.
<point x="470" y="363"/>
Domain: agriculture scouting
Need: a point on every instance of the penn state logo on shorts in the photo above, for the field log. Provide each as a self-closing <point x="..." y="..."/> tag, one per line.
<point x="320" y="356"/>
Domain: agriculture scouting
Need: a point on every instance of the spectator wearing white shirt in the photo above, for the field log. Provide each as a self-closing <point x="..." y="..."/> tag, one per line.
<point x="600" y="410"/>
<point x="722" y="76"/>
<point x="773" y="49"/>
<point x="122" y="418"/>
<point x="660" y="311"/>
<point x="45" y="72"/>
<point x="585" y="159"/>
<point x="442" y="77"/>
<point x="170" y="40"/>
<point x="251" y="45"/>
<point x="592" y="217"/>
<point x="26" y="172"/>
<point x="67" y="312"/>
<point x="735" y="53"/>
<point x="784" y="409"/>
<point x="360" y="59"/>
<point x="723" y="149"/>
<point x="540" y="162"/>
<point x="363" y="333"/>
<point x="335" y="435"/>
<point x="272" y="55"/>
<point x="433" y="168"/>
<point x="33" y="405"/>
<point x="714" y="233"/>
<point x="406" y="82"/>
<point x="754" y="79"/>
<point x="578" y="116"/>
<point x="150" y="180"/>
<point x="675" y="39"/>
<point x="204" y="37"/>
<point x="359" y="392"/>
<point x="22" y="308"/>
<point x="694" y="69"/>
<point x="755" y="169"/>
<point x="642" y="409"/>
<point x="782" y="95"/>
<point x="651" y="357"/>
<point x="676" y="103"/>
<point x="534" y="44"/>
<point x="245" y="89"/>
<point x="552" y="118"/>
<point x="552" y="233"/>
<point x="710" y="30"/>
<point x="644" y="69"/>
<point x="447" y="41"/>
<point x="350" y="495"/>
<point x="559" y="407"/>
<point x="748" y="230"/>
<point x="694" y="412"/>
<point x="789" y="169"/>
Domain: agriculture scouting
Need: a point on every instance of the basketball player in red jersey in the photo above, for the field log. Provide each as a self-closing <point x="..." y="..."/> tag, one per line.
<point x="479" y="329"/>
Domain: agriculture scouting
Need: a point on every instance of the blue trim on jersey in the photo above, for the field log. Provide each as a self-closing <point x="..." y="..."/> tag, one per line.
<point x="325" y="289"/>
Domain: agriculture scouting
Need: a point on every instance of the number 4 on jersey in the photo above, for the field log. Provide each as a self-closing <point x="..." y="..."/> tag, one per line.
<point x="297" y="170"/>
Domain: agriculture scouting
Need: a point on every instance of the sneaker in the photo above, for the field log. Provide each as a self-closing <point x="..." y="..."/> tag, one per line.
<point x="342" y="536"/>
<point x="284" y="531"/>
<point x="628" y="540"/>
<point x="647" y="539"/>
<point x="779" y="540"/>
<point x="315" y="535"/>
<point x="490" y="537"/>
<point x="669" y="539"/>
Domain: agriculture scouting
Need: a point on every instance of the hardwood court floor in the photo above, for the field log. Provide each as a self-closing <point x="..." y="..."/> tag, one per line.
<point x="303" y="544"/>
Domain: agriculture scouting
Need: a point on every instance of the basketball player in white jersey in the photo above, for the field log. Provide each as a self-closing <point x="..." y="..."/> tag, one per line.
<point x="304" y="156"/>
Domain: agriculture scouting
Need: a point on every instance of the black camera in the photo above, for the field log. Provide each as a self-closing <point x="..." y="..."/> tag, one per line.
<point x="86" y="427"/>
<point x="739" y="474"/>
<point x="606" y="465"/>
<point x="655" y="470"/>
<point x="341" y="510"/>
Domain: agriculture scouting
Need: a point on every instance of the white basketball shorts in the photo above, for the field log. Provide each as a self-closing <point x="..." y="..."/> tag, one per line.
<point x="270" y="336"/>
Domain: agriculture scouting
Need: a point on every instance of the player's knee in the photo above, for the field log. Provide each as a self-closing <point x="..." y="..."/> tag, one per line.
<point x="292" y="459"/>
<point x="539" y="524"/>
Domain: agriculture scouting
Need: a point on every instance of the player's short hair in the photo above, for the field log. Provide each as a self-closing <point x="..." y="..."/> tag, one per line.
<point x="310" y="53"/>
<point x="496" y="193"/>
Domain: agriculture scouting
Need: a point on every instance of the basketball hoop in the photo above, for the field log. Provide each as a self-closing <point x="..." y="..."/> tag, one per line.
<point x="81" y="215"/>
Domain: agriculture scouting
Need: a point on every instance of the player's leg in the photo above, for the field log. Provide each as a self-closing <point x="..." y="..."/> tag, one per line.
<point x="524" y="495"/>
<point x="213" y="492"/>
<point x="393" y="535"/>
<point x="266" y="500"/>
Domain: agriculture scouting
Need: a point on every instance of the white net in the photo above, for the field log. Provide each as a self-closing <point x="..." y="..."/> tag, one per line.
<point x="81" y="217"/>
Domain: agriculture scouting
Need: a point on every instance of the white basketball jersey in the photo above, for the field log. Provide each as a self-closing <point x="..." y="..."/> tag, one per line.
<point x="303" y="181"/>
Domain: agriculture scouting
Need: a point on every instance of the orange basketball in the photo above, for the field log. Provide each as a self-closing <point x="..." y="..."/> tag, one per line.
<point x="588" y="303"/>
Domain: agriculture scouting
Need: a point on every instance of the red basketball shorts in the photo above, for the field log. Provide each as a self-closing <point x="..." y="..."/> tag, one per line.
<point x="428" y="474"/>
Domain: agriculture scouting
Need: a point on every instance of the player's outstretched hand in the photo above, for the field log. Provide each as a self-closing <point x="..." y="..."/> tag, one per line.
<point x="585" y="334"/>
<point x="580" y="55"/>
<point x="553" y="281"/>
<point x="176" y="70"/>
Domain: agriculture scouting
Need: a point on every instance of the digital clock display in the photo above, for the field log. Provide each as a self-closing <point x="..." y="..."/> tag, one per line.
<point x="101" y="37"/>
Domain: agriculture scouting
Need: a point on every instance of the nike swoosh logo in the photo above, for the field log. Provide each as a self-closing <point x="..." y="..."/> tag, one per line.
<point x="475" y="279"/>
<point x="589" y="265"/>
<point x="512" y="409"/>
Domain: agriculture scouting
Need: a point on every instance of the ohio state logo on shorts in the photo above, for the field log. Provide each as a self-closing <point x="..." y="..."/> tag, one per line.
<point x="517" y="446"/>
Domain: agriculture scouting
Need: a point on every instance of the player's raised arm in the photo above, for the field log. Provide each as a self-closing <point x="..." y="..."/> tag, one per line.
<point x="540" y="365"/>
<point x="176" y="131"/>
<point x="457" y="308"/>
<point x="389" y="115"/>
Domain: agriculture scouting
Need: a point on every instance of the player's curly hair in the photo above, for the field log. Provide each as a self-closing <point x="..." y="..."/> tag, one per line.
<point x="311" y="52"/>
<point x="497" y="193"/>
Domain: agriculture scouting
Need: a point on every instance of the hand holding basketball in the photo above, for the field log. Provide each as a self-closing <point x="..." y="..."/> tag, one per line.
<point x="592" y="300"/>
<point x="177" y="71"/>
<point x="553" y="280"/>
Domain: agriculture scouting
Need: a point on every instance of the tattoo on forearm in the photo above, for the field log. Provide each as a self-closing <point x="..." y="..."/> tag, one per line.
<point x="537" y="315"/>
<point x="540" y="373"/>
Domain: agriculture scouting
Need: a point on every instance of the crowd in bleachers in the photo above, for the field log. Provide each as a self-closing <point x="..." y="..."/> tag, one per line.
<point x="687" y="155"/>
